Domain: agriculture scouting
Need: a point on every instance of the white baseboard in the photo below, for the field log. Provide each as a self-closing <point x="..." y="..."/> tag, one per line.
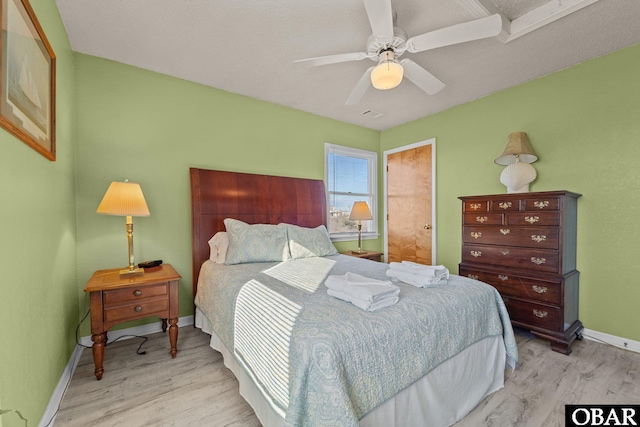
<point x="49" y="416"/>
<point x="612" y="340"/>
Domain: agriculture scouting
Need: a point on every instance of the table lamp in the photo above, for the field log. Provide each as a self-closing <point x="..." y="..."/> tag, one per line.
<point x="517" y="156"/>
<point x="360" y="212"/>
<point x="125" y="199"/>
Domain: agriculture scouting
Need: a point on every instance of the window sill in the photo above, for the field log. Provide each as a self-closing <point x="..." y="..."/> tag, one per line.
<point x="347" y="237"/>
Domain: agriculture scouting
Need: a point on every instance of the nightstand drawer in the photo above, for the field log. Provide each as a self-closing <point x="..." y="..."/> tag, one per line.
<point x="134" y="293"/>
<point x="154" y="307"/>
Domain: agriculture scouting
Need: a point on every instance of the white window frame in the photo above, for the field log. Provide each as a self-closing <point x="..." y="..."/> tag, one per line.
<point x="372" y="159"/>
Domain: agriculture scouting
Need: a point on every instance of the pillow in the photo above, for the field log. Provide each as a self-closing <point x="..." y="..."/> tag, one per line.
<point x="309" y="242"/>
<point x="218" y="245"/>
<point x="255" y="243"/>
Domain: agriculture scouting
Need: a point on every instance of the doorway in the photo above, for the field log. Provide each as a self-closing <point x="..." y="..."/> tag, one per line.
<point x="409" y="203"/>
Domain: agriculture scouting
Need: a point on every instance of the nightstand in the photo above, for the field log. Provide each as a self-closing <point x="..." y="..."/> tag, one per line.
<point x="116" y="299"/>
<point x="373" y="256"/>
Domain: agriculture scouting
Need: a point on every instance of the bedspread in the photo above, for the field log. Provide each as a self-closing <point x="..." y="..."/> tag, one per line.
<point x="344" y="362"/>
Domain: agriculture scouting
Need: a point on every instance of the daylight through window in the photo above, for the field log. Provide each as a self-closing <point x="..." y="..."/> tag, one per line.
<point x="350" y="176"/>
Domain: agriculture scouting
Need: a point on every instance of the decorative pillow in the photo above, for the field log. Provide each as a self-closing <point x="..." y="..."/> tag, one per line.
<point x="309" y="242"/>
<point x="255" y="243"/>
<point x="218" y="245"/>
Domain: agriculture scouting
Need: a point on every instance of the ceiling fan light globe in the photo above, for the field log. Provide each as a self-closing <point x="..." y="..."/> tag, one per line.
<point x="387" y="75"/>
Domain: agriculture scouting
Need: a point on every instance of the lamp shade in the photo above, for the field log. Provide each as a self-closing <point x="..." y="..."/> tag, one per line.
<point x="124" y="199"/>
<point x="360" y="212"/>
<point x="388" y="73"/>
<point x="517" y="146"/>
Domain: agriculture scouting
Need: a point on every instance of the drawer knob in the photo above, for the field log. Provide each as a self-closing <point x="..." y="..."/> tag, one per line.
<point x="476" y="254"/>
<point x="137" y="293"/>
<point x="482" y="219"/>
<point x="504" y="205"/>
<point x="538" y="238"/>
<point x="540" y="314"/>
<point x="475" y="206"/>
<point x="532" y="219"/>
<point x="504" y="251"/>
<point x="537" y="260"/>
<point x="473" y="276"/>
<point x="138" y="309"/>
<point x="505" y="231"/>
<point x="539" y="289"/>
<point x="476" y="234"/>
<point x="541" y="204"/>
<point x="503" y="277"/>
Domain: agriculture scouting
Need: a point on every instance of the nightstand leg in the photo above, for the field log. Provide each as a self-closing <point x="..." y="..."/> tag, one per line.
<point x="164" y="325"/>
<point x="173" y="336"/>
<point x="98" y="353"/>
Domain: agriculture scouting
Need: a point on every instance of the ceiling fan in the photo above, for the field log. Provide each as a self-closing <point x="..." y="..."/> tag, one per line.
<point x="387" y="43"/>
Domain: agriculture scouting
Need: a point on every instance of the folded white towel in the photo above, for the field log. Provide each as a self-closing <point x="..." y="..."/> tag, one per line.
<point x="365" y="305"/>
<point x="439" y="271"/>
<point x="417" y="280"/>
<point x="360" y="287"/>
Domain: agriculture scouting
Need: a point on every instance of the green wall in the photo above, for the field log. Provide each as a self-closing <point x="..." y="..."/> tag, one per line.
<point x="150" y="129"/>
<point x="38" y="290"/>
<point x="583" y="123"/>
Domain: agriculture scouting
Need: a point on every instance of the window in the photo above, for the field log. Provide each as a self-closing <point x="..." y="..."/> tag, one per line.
<point x="350" y="176"/>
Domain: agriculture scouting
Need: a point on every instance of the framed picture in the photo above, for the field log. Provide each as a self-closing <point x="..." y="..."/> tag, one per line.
<point x="28" y="78"/>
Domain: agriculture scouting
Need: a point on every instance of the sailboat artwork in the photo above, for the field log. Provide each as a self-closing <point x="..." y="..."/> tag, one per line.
<point x="27" y="92"/>
<point x="28" y="85"/>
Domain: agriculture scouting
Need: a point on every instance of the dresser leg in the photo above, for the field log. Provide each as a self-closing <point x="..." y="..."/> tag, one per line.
<point x="173" y="336"/>
<point x="98" y="353"/>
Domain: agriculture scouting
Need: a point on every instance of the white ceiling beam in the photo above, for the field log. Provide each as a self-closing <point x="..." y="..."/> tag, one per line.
<point x="537" y="18"/>
<point x="545" y="14"/>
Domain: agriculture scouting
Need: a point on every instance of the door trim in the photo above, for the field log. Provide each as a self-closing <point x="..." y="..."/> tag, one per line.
<point x="432" y="142"/>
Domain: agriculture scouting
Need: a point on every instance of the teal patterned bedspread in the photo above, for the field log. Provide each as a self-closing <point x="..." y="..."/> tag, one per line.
<point x="343" y="361"/>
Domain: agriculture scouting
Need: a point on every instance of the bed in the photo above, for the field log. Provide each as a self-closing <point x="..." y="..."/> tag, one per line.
<point x="304" y="358"/>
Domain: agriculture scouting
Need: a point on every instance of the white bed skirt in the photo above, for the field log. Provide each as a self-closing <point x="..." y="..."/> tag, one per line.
<point x="440" y="398"/>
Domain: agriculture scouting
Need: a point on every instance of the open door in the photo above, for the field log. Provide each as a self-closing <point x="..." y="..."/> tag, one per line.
<point x="410" y="203"/>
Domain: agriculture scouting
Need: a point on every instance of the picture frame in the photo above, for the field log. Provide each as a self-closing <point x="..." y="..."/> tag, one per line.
<point x="27" y="79"/>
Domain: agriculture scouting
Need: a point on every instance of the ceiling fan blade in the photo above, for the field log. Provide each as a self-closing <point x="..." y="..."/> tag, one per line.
<point x="330" y="59"/>
<point x="380" y="17"/>
<point x="421" y="77"/>
<point x="467" y="31"/>
<point x="361" y="87"/>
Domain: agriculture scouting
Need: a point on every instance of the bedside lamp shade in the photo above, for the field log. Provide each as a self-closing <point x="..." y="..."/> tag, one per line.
<point x="360" y="212"/>
<point x="125" y="199"/>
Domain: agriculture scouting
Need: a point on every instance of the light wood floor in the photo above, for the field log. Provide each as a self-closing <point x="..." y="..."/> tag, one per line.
<point x="195" y="389"/>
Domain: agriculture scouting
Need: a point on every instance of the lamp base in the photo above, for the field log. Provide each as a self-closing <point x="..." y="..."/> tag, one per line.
<point x="128" y="271"/>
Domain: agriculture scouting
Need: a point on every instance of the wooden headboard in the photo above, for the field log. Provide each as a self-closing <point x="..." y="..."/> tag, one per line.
<point x="254" y="199"/>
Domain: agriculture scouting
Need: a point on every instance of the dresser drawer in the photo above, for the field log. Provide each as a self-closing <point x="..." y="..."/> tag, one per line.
<point x="523" y="258"/>
<point x="531" y="237"/>
<point x="476" y="206"/>
<point x="145" y="308"/>
<point x="542" y="204"/>
<point x="504" y="205"/>
<point x="513" y="286"/>
<point x="133" y="294"/>
<point x="534" y="315"/>
<point x="533" y="218"/>
<point x="483" y="218"/>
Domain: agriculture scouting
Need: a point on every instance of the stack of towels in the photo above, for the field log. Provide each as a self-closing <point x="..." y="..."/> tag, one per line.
<point x="418" y="275"/>
<point x="363" y="292"/>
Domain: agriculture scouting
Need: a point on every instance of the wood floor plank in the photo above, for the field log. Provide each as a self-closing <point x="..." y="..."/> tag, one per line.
<point x="196" y="389"/>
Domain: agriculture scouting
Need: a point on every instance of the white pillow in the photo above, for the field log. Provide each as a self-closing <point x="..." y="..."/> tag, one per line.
<point x="218" y="245"/>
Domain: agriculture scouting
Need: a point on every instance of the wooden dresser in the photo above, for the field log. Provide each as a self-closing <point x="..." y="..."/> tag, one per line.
<point x="524" y="245"/>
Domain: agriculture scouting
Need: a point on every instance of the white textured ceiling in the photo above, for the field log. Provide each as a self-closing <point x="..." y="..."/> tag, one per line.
<point x="247" y="46"/>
